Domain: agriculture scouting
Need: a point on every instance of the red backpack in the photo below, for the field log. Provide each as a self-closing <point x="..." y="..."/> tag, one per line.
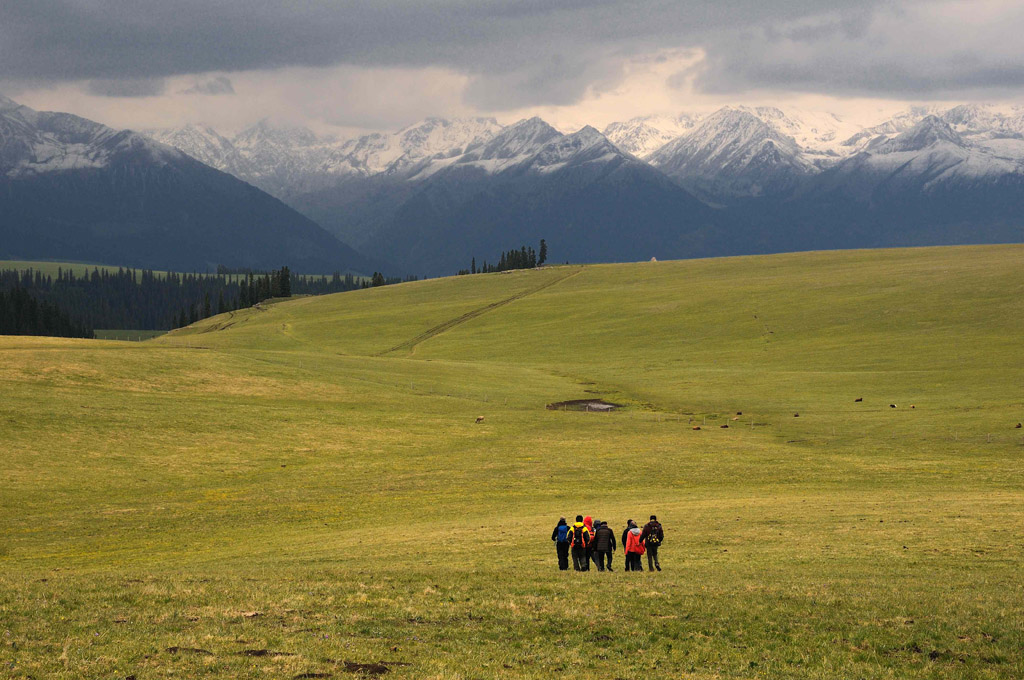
<point x="580" y="535"/>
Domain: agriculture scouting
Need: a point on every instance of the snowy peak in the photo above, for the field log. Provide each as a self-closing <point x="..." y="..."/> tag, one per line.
<point x="726" y="136"/>
<point x="584" y="145"/>
<point x="733" y="153"/>
<point x="586" y="137"/>
<point x="7" y="104"/>
<point x="204" y="144"/>
<point x="644" y="135"/>
<point x="441" y="137"/>
<point x="433" y="138"/>
<point x="971" y="117"/>
<point x="820" y="135"/>
<point x="736" y="126"/>
<point x="267" y="133"/>
<point x="931" y="131"/>
<point x="521" y="138"/>
<point x="34" y="142"/>
<point x="513" y="144"/>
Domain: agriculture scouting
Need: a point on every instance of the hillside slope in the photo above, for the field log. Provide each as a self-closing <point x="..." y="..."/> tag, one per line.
<point x="646" y="328"/>
<point x="369" y="480"/>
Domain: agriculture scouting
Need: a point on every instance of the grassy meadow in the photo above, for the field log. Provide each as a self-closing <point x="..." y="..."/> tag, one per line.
<point x="302" y="489"/>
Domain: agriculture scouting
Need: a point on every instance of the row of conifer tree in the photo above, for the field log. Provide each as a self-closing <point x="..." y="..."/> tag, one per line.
<point x="133" y="299"/>
<point x="22" y="314"/>
<point x="524" y="258"/>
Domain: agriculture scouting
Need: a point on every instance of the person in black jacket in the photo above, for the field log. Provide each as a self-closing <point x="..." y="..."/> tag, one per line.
<point x="604" y="545"/>
<point x="652" y="537"/>
<point x="579" y="538"/>
<point x="562" y="538"/>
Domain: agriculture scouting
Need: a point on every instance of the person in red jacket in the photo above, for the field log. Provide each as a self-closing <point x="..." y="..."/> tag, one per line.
<point x="634" y="547"/>
<point x="589" y="522"/>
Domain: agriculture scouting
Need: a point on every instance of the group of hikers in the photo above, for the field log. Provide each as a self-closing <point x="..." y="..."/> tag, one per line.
<point x="590" y="540"/>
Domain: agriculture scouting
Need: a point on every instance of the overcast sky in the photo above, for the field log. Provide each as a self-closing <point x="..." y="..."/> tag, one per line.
<point x="380" y="64"/>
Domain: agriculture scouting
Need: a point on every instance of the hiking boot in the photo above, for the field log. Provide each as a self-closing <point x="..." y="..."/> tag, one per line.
<point x="658" y="567"/>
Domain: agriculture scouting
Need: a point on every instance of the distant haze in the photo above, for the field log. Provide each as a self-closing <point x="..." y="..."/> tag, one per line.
<point x="345" y="67"/>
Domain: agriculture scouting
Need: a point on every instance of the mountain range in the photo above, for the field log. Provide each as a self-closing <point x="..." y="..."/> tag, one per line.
<point x="76" y="190"/>
<point x="430" y="197"/>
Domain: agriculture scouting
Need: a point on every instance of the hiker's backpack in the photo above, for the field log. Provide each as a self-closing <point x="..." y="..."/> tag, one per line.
<point x="563" y="533"/>
<point x="580" y="536"/>
<point x="654" y="536"/>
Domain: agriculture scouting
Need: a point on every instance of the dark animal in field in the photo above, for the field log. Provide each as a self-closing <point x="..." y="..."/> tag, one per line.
<point x="725" y="427"/>
<point x="1018" y="426"/>
<point x="859" y="399"/>
<point x="892" y="405"/>
<point x="696" y="427"/>
<point x="739" y="413"/>
<point x="912" y="406"/>
<point x="796" y="415"/>
<point x="479" y="419"/>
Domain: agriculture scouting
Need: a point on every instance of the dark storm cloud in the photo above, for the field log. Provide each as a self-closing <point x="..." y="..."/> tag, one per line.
<point x="518" y="52"/>
<point x="126" y="87"/>
<point x="909" y="50"/>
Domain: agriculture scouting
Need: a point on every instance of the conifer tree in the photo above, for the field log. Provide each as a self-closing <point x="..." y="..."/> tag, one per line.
<point x="286" y="282"/>
<point x="542" y="256"/>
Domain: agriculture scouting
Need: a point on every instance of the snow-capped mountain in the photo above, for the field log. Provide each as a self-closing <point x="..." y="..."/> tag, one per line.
<point x="433" y="138"/>
<point x="71" y="188"/>
<point x="207" y="146"/>
<point x="734" y="153"/>
<point x="597" y="202"/>
<point x="926" y="185"/>
<point x="643" y="135"/>
<point x="820" y="135"/>
<point x="36" y="143"/>
<point x="789" y="178"/>
<point x="287" y="161"/>
<point x="929" y="157"/>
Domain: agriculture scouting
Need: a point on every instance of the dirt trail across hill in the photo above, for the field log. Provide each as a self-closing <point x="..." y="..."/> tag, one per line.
<point x="470" y="315"/>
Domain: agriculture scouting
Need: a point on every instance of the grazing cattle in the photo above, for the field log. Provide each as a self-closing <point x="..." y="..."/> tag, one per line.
<point x="725" y="427"/>
<point x="739" y="413"/>
<point x="1019" y="425"/>
<point x="479" y="419"/>
<point x="796" y="415"/>
<point x="912" y="406"/>
<point x="696" y="427"/>
<point x="892" y="405"/>
<point x="735" y="417"/>
<point x="859" y="399"/>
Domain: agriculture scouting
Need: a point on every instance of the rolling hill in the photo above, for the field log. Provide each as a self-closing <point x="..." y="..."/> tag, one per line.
<point x="304" y="489"/>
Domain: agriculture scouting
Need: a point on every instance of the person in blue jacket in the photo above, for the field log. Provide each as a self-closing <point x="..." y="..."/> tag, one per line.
<point x="561" y="537"/>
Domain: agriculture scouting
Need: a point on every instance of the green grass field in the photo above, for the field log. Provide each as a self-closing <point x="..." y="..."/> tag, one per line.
<point x="293" y="490"/>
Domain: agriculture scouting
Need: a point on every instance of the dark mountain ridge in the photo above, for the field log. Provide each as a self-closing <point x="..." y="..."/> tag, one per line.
<point x="74" y="189"/>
